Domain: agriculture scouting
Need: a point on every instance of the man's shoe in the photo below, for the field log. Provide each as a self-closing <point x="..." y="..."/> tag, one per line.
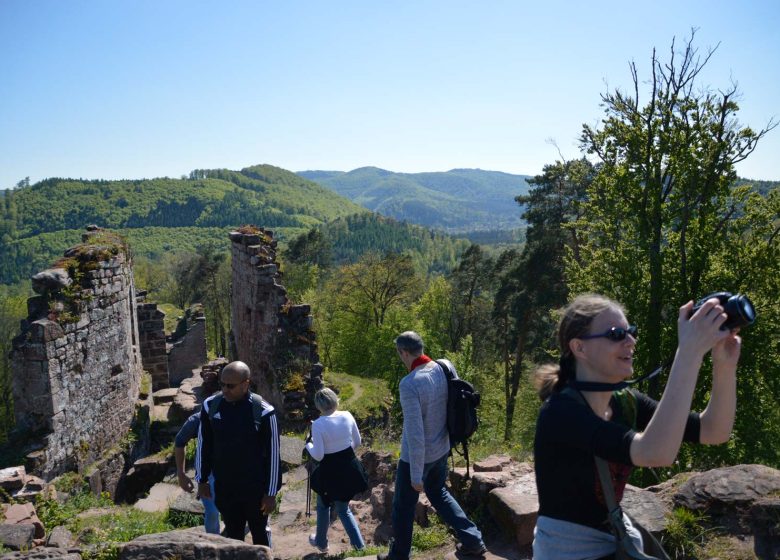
<point x="383" y="556"/>
<point x="313" y="542"/>
<point x="471" y="551"/>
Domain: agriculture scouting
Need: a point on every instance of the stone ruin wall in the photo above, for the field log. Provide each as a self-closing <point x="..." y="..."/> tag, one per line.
<point x="76" y="377"/>
<point x="187" y="350"/>
<point x="272" y="336"/>
<point x="151" y="331"/>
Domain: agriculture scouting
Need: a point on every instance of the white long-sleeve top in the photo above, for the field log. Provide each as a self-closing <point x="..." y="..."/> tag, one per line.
<point x="333" y="433"/>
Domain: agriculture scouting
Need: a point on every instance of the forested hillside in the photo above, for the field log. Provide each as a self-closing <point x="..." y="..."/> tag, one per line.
<point x="348" y="239"/>
<point x="459" y="200"/>
<point x="159" y="216"/>
<point x="37" y="222"/>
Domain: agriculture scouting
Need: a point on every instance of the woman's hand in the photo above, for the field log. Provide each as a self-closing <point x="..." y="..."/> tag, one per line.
<point x="725" y="354"/>
<point x="700" y="332"/>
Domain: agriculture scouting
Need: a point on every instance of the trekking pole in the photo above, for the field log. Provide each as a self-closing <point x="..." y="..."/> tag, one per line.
<point x="308" y="475"/>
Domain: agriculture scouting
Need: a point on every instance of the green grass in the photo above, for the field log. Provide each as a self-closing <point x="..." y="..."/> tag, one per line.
<point x="685" y="534"/>
<point x="429" y="538"/>
<point x="53" y="513"/>
<point x="121" y="525"/>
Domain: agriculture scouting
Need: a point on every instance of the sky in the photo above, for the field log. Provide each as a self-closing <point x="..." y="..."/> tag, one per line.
<point x="136" y="89"/>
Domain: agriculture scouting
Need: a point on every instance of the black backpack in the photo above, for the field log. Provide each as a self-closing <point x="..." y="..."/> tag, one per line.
<point x="462" y="403"/>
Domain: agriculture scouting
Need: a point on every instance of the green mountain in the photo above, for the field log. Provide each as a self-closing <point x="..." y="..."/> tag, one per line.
<point x="459" y="200"/>
<point x="38" y="222"/>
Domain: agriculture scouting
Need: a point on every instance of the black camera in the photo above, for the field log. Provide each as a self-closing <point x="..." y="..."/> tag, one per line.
<point x="738" y="308"/>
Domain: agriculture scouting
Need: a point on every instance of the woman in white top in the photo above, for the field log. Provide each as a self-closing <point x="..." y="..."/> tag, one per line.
<point x="339" y="476"/>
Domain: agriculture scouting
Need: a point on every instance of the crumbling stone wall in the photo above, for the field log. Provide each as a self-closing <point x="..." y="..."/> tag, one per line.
<point x="272" y="336"/>
<point x="187" y="349"/>
<point x="76" y="364"/>
<point x="151" y="332"/>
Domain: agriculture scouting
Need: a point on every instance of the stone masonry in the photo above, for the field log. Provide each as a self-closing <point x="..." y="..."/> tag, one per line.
<point x="151" y="330"/>
<point x="76" y="364"/>
<point x="272" y="336"/>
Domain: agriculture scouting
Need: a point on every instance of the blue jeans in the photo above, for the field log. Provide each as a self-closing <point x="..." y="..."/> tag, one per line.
<point x="405" y="500"/>
<point x="210" y="511"/>
<point x="347" y="519"/>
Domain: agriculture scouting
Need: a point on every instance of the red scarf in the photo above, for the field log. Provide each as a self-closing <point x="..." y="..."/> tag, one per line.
<point x="423" y="359"/>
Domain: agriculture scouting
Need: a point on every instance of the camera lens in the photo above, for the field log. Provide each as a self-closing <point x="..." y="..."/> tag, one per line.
<point x="740" y="312"/>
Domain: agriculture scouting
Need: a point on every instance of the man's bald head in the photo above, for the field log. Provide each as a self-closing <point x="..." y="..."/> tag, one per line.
<point x="238" y="368"/>
<point x="234" y="381"/>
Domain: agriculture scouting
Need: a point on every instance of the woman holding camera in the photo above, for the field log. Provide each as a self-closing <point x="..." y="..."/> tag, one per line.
<point x="626" y="428"/>
<point x="339" y="475"/>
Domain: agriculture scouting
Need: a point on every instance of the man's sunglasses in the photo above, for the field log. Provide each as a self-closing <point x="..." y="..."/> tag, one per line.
<point x="230" y="385"/>
<point x="615" y="334"/>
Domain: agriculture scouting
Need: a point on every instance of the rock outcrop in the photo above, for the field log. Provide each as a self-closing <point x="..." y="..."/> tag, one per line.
<point x="192" y="544"/>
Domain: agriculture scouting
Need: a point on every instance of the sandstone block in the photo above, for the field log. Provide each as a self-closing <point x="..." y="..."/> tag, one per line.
<point x="494" y="463"/>
<point x="728" y="490"/>
<point x="60" y="537"/>
<point x="646" y="507"/>
<point x="515" y="508"/>
<point x="44" y="330"/>
<point x="52" y="279"/>
<point x="12" y="478"/>
<point x="43" y="554"/>
<point x="189" y="543"/>
<point x="17" y="537"/>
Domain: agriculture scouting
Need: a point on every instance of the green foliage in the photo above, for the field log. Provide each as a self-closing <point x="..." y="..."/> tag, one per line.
<point x="157" y="215"/>
<point x="685" y="534"/>
<point x="664" y="223"/>
<point x="367" y="551"/>
<point x="70" y="483"/>
<point x="120" y="525"/>
<point x="102" y="551"/>
<point x="53" y="513"/>
<point x="13" y="308"/>
<point x="182" y="519"/>
<point x="367" y="399"/>
<point x="354" y="236"/>
<point x="431" y="537"/>
<point x="190" y="450"/>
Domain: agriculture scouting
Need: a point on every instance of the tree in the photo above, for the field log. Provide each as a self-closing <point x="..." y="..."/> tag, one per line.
<point x="472" y="286"/>
<point x="375" y="284"/>
<point x="532" y="283"/>
<point x="12" y="309"/>
<point x="312" y="248"/>
<point x="662" y="199"/>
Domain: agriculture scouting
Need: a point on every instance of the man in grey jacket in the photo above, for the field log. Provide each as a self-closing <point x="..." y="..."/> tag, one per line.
<point x="425" y="445"/>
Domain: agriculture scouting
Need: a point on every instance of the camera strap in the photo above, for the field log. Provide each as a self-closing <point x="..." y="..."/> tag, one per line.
<point x="596" y="386"/>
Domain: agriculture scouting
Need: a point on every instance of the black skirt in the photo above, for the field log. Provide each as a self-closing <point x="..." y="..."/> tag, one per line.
<point x="339" y="476"/>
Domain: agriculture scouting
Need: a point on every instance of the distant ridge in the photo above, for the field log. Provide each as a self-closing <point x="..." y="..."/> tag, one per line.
<point x="459" y="200"/>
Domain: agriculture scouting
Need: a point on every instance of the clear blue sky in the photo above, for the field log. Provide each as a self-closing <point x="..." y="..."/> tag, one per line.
<point x="146" y="88"/>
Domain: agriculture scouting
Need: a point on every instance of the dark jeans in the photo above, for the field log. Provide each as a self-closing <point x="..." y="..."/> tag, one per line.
<point x="405" y="500"/>
<point x="237" y="514"/>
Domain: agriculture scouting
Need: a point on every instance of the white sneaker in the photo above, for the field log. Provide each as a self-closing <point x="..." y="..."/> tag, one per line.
<point x="313" y="542"/>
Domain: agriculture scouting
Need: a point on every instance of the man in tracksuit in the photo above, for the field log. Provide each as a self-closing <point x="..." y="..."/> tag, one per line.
<point x="239" y="443"/>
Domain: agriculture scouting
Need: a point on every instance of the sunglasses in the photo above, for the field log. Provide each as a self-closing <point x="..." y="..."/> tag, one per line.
<point x="230" y="385"/>
<point x="615" y="334"/>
